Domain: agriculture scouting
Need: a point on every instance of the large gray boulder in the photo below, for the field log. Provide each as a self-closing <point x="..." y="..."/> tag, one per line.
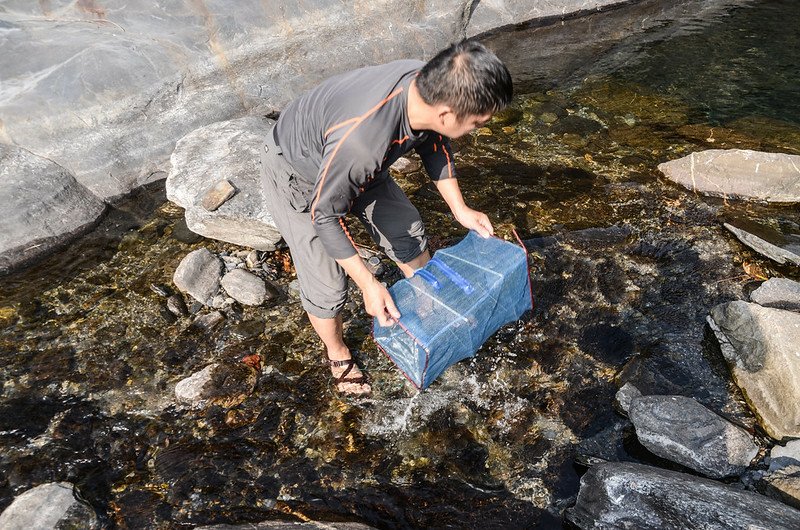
<point x="42" y="204"/>
<point x="48" y="507"/>
<point x="773" y="177"/>
<point x="682" y="430"/>
<point x="628" y="495"/>
<point x="762" y="348"/>
<point x="224" y="151"/>
<point x="107" y="88"/>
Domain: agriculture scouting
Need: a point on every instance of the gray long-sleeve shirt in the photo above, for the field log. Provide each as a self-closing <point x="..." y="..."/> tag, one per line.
<point x="342" y="136"/>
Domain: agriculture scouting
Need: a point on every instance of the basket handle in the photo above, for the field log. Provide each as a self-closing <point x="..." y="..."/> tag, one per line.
<point x="428" y="277"/>
<point x="455" y="277"/>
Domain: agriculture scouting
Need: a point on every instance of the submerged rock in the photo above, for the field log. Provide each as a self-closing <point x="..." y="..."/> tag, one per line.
<point x="199" y="274"/>
<point x="682" y="430"/>
<point x="48" y="506"/>
<point x="762" y="348"/>
<point x="245" y="287"/>
<point x="283" y="525"/>
<point x="224" y="384"/>
<point x="773" y="177"/>
<point x="228" y="151"/>
<point x="42" y="204"/>
<point x="209" y="321"/>
<point x="780" y="293"/>
<point x="628" y="495"/>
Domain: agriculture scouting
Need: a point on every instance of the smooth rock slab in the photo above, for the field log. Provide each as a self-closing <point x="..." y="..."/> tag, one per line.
<point x="764" y="247"/>
<point x="781" y="293"/>
<point x="634" y="496"/>
<point x="245" y="287"/>
<point x="48" y="506"/>
<point x="772" y="177"/>
<point x="224" y="384"/>
<point x="682" y="430"/>
<point x="762" y="348"/>
<point x="229" y="151"/>
<point x="42" y="204"/>
<point x="199" y="274"/>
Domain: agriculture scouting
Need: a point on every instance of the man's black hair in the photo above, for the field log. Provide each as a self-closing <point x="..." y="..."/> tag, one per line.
<point x="468" y="78"/>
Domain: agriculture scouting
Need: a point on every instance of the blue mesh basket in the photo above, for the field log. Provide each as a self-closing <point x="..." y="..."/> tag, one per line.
<point x="452" y="305"/>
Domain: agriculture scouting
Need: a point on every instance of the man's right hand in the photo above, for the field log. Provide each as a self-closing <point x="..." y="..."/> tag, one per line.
<point x="378" y="302"/>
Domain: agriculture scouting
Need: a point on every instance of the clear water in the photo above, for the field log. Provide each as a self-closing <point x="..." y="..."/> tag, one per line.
<point x="625" y="268"/>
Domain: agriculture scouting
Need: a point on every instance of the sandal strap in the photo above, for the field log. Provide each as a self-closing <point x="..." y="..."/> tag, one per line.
<point x="338" y="364"/>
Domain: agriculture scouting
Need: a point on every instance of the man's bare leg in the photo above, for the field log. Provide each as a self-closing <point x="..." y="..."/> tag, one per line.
<point x="408" y="268"/>
<point x="331" y="332"/>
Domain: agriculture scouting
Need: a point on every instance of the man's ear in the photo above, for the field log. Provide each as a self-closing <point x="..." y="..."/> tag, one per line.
<point x="442" y="112"/>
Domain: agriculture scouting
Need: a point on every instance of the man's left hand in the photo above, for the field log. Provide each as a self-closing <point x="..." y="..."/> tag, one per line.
<point x="474" y="220"/>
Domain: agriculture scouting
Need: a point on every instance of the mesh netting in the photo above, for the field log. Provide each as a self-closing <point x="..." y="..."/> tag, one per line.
<point x="452" y="305"/>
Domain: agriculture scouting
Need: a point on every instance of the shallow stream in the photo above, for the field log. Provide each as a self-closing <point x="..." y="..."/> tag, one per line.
<point x="625" y="268"/>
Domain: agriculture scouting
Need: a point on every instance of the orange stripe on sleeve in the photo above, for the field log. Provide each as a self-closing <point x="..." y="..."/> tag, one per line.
<point x="449" y="169"/>
<point x="355" y="125"/>
<point x="347" y="233"/>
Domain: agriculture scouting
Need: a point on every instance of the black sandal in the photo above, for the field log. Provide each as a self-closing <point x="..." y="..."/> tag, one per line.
<point x="349" y="363"/>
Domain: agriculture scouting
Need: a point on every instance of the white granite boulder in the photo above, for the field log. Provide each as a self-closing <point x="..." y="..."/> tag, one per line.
<point x="224" y="151"/>
<point x="741" y="173"/>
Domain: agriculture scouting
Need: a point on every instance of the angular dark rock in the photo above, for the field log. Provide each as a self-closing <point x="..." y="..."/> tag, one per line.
<point x="762" y="348"/>
<point x="682" y="430"/>
<point x="628" y="495"/>
<point x="781" y="293"/>
<point x="764" y="247"/>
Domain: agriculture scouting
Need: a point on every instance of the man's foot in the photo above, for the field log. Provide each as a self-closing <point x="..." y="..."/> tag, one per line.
<point x="348" y="378"/>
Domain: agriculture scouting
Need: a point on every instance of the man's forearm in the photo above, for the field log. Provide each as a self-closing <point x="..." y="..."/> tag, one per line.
<point x="355" y="268"/>
<point x="451" y="193"/>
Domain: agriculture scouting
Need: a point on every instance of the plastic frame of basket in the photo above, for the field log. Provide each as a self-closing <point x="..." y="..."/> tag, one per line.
<point x="420" y="386"/>
<point x="428" y="277"/>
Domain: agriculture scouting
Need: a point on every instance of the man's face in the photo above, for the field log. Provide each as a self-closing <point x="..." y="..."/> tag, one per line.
<point x="452" y="127"/>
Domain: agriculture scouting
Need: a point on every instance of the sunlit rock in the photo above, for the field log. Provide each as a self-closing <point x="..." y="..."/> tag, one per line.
<point x="199" y="274"/>
<point x="781" y="293"/>
<point x="782" y="254"/>
<point x="48" y="507"/>
<point x="245" y="287"/>
<point x="782" y="482"/>
<point x="224" y="384"/>
<point x="625" y="396"/>
<point x="42" y="204"/>
<point x="228" y="151"/>
<point x="628" y="495"/>
<point x="682" y="430"/>
<point x="740" y="173"/>
<point x="762" y="348"/>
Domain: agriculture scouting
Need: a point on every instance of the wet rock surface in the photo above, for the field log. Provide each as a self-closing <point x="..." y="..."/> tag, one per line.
<point x="48" y="507"/>
<point x="742" y="173"/>
<point x="627" y="495"/>
<point x="682" y="430"/>
<point x="42" y="204"/>
<point x="762" y="348"/>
